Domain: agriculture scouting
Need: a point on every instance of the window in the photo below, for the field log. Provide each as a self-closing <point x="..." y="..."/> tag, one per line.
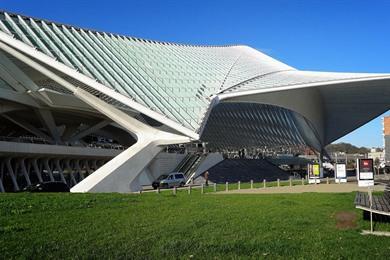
<point x="179" y="176"/>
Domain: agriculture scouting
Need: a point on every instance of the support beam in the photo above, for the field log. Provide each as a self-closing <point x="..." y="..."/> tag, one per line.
<point x="88" y="131"/>
<point x="32" y="129"/>
<point x="12" y="82"/>
<point x="48" y="120"/>
<point x="21" y="98"/>
<point x="6" y="107"/>
<point x="17" y="73"/>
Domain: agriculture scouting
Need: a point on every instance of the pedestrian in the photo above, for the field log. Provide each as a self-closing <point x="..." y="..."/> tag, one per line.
<point x="206" y="177"/>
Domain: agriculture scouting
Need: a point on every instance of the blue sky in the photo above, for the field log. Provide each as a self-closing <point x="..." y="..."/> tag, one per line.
<point x="346" y="36"/>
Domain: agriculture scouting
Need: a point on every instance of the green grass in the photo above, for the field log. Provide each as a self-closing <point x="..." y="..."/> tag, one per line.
<point x="183" y="226"/>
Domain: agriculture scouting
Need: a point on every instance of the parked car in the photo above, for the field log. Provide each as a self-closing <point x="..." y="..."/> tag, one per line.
<point x="51" y="186"/>
<point x="167" y="181"/>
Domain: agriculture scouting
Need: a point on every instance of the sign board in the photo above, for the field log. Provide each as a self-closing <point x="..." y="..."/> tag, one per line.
<point x="340" y="173"/>
<point x="365" y="172"/>
<point x="313" y="171"/>
<point x="316" y="170"/>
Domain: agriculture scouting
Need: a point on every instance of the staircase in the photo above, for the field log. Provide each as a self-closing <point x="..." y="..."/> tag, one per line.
<point x="189" y="165"/>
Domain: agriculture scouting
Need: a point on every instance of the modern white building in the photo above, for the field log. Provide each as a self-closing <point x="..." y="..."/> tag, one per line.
<point x="60" y="84"/>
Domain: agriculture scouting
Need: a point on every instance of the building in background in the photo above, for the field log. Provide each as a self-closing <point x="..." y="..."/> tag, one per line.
<point x="386" y="138"/>
<point x="377" y="154"/>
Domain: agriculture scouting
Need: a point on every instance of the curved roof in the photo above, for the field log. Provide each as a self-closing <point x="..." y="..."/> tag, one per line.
<point x="173" y="79"/>
<point x="184" y="83"/>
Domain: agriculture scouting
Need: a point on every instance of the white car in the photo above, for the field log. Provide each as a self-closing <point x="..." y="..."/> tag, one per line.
<point x="171" y="180"/>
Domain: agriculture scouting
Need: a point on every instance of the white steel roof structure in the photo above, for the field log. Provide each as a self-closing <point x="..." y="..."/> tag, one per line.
<point x="165" y="93"/>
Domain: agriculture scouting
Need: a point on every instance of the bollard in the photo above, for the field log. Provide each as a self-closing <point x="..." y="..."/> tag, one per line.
<point x="202" y="189"/>
<point x="303" y="181"/>
<point x="174" y="190"/>
<point x="278" y="183"/>
<point x="251" y="184"/>
<point x="290" y="181"/>
<point x="264" y="185"/>
<point x="327" y="180"/>
<point x="189" y="189"/>
<point x="158" y="190"/>
<point x="215" y="187"/>
<point x="239" y="185"/>
<point x="227" y="186"/>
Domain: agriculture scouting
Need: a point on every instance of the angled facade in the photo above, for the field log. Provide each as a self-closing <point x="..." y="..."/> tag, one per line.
<point x="148" y="95"/>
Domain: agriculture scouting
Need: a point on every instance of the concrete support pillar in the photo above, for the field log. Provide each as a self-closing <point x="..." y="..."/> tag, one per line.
<point x="48" y="169"/>
<point x="12" y="174"/>
<point x="70" y="169"/>
<point x="24" y="170"/>
<point x="94" y="165"/>
<point x="1" y="186"/>
<point x="37" y="169"/>
<point x="28" y="166"/>
<point x="121" y="173"/>
<point x="87" y="168"/>
<point x="79" y="170"/>
<point x="1" y="177"/>
<point x="59" y="169"/>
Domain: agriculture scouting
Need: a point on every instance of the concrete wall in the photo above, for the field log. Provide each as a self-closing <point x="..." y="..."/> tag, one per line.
<point x="162" y="164"/>
<point x="211" y="160"/>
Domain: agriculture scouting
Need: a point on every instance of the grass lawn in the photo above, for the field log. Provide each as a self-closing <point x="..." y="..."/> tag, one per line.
<point x="185" y="226"/>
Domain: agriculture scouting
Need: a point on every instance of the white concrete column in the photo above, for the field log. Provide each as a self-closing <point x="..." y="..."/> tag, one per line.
<point x="12" y="174"/>
<point x="1" y="177"/>
<point x="59" y="169"/>
<point x="37" y="170"/>
<point x="24" y="171"/>
<point x="48" y="169"/>
<point x="94" y="165"/>
<point x="70" y="169"/>
<point x="78" y="169"/>
<point x="87" y="168"/>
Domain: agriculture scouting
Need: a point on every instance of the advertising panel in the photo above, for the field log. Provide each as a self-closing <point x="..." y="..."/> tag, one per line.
<point x="340" y="173"/>
<point x="366" y="169"/>
<point x="316" y="170"/>
<point x="365" y="172"/>
<point x="313" y="171"/>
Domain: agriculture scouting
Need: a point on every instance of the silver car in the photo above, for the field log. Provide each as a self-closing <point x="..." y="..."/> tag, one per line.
<point x="171" y="180"/>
